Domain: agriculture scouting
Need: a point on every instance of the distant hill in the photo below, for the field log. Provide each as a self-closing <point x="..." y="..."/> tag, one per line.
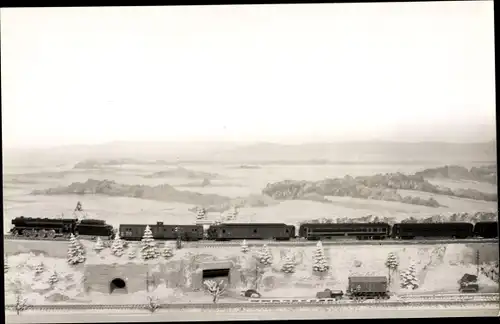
<point x="259" y="153"/>
<point x="361" y="152"/>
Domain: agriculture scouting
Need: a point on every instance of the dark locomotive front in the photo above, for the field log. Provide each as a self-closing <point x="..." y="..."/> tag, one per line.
<point x="428" y="230"/>
<point x="160" y="231"/>
<point x="361" y="231"/>
<point x="251" y="231"/>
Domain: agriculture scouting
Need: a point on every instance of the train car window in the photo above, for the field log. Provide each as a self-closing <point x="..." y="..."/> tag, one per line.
<point x="286" y="231"/>
<point x="255" y="230"/>
<point x="223" y="231"/>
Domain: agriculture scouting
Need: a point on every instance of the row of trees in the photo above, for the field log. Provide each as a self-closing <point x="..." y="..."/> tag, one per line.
<point x="408" y="277"/>
<point x="148" y="248"/>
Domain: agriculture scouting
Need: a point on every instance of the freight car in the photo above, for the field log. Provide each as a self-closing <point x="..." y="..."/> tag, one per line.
<point x="428" y="230"/>
<point x="362" y="231"/>
<point x="54" y="227"/>
<point x="251" y="231"/>
<point x="367" y="287"/>
<point x="486" y="229"/>
<point x="160" y="231"/>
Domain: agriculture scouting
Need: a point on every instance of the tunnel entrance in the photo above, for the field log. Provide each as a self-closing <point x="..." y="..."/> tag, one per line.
<point x="217" y="275"/>
<point x="117" y="285"/>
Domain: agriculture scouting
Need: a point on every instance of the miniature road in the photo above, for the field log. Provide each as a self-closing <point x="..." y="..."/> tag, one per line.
<point x="252" y="314"/>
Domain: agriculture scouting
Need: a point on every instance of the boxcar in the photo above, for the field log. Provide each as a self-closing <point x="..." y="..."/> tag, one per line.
<point x="94" y="227"/>
<point x="315" y="231"/>
<point x="250" y="231"/>
<point x="367" y="287"/>
<point x="43" y="227"/>
<point x="486" y="229"/>
<point x="160" y="231"/>
<point x="451" y="230"/>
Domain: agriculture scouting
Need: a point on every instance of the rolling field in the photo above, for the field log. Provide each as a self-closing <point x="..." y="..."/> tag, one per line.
<point x="231" y="181"/>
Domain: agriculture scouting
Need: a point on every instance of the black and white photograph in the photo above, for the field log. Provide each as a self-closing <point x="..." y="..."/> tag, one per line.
<point x="249" y="162"/>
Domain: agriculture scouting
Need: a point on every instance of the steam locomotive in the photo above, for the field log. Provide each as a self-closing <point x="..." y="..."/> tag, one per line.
<point x="59" y="227"/>
<point x="50" y="228"/>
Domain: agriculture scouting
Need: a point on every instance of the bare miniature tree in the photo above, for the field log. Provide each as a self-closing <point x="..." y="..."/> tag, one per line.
<point x="215" y="289"/>
<point x="244" y="247"/>
<point x="5" y="264"/>
<point x="153" y="304"/>
<point x="99" y="246"/>
<point x="392" y="264"/>
<point x="21" y="303"/>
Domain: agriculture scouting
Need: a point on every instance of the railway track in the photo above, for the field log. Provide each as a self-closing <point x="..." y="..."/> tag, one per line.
<point x="215" y="244"/>
<point x="275" y="303"/>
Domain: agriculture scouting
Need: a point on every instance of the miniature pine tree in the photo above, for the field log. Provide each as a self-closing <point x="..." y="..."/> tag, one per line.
<point x="148" y="245"/>
<point x="201" y="213"/>
<point x="409" y="279"/>
<point x="131" y="254"/>
<point x="265" y="258"/>
<point x="288" y="265"/>
<point x="39" y="269"/>
<point x="392" y="263"/>
<point x="53" y="279"/>
<point x="76" y="252"/>
<point x="244" y="247"/>
<point x="99" y="246"/>
<point x="117" y="246"/>
<point x="167" y="252"/>
<point x="319" y="259"/>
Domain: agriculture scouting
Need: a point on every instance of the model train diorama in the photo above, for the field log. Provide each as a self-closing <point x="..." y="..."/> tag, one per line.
<point x="57" y="227"/>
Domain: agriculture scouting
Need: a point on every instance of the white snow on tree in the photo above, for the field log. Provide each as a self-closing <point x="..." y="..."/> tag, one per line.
<point x="216" y="289"/>
<point x="244" y="247"/>
<point x="148" y="245"/>
<point x="167" y="252"/>
<point x="201" y="213"/>
<point x="409" y="278"/>
<point x="289" y="264"/>
<point x="40" y="268"/>
<point x="319" y="259"/>
<point x="98" y="246"/>
<point x="392" y="263"/>
<point x="117" y="246"/>
<point x="76" y="252"/>
<point x="264" y="256"/>
<point x="53" y="279"/>
<point x="131" y="254"/>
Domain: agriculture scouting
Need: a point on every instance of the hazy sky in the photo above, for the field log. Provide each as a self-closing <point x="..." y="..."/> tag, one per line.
<point x="287" y="73"/>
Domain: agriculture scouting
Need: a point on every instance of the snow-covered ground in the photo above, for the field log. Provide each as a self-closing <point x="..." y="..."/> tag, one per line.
<point x="437" y="269"/>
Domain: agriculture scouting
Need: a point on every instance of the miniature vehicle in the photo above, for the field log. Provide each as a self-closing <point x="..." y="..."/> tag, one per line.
<point x="251" y="293"/>
<point x="251" y="231"/>
<point x="327" y="293"/>
<point x="448" y="230"/>
<point x="362" y="231"/>
<point x="368" y="287"/>
<point x="52" y="227"/>
<point x="486" y="229"/>
<point x="468" y="284"/>
<point x="160" y="231"/>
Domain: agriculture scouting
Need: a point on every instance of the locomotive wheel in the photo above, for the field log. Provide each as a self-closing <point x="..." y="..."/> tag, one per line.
<point x="15" y="233"/>
<point x="42" y="233"/>
<point x="27" y="233"/>
<point x="51" y="234"/>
